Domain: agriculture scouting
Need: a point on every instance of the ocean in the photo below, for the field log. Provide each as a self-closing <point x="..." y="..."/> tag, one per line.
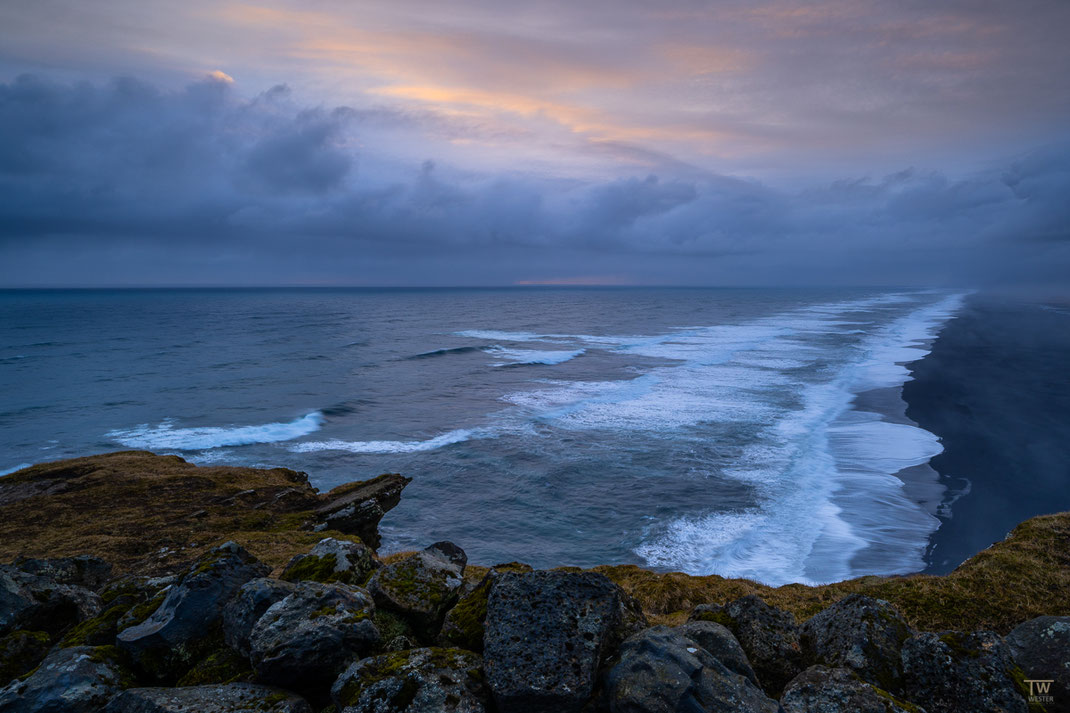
<point x="742" y="432"/>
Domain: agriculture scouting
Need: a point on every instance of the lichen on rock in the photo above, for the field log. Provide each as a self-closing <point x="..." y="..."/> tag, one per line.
<point x="429" y="679"/>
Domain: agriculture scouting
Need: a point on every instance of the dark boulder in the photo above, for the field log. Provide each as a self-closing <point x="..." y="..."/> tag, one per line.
<point x="357" y="508"/>
<point x="862" y="634"/>
<point x="247" y="606"/>
<point x="421" y="587"/>
<point x="39" y="603"/>
<point x="719" y="643"/>
<point x="306" y="639"/>
<point x="662" y="671"/>
<point x="950" y="672"/>
<point x="1041" y="648"/>
<point x="76" y="680"/>
<point x="463" y="625"/>
<point x="149" y="600"/>
<point x="125" y="602"/>
<point x="415" y="681"/>
<point x="180" y="630"/>
<point x="547" y="634"/>
<point x="839" y="690"/>
<point x="770" y="636"/>
<point x="333" y="560"/>
<point x="83" y="570"/>
<point x="221" y="698"/>
<point x="20" y="652"/>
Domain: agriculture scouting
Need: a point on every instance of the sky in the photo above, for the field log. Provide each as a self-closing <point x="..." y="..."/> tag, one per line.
<point x="410" y="142"/>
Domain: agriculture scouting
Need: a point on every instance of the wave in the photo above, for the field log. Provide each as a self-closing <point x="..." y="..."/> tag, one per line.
<point x="446" y="439"/>
<point x="9" y="471"/>
<point x="831" y="506"/>
<point x="452" y="350"/>
<point x="498" y="336"/>
<point x="520" y="357"/>
<point x="166" y="437"/>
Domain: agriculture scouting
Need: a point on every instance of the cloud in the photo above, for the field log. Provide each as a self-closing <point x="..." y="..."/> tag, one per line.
<point x="125" y="182"/>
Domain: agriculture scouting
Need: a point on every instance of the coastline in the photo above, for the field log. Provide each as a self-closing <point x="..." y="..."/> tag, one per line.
<point x="994" y="390"/>
<point x="233" y="622"/>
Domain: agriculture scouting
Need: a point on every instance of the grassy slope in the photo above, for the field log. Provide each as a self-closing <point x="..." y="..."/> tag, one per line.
<point x="126" y="506"/>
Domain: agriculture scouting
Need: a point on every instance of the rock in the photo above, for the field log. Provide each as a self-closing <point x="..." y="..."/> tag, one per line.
<point x="126" y="602"/>
<point x="20" y="652"/>
<point x="75" y="680"/>
<point x="1041" y="648"/>
<point x="416" y="681"/>
<point x="306" y="639"/>
<point x="838" y="690"/>
<point x="862" y="634"/>
<point x="247" y="606"/>
<point x="546" y="635"/>
<point x="950" y="672"/>
<point x="83" y="570"/>
<point x="357" y="508"/>
<point x="718" y="641"/>
<point x="38" y="603"/>
<point x="333" y="560"/>
<point x="463" y="625"/>
<point x="421" y="587"/>
<point x="770" y="637"/>
<point x="146" y="606"/>
<point x="662" y="671"/>
<point x="175" y="635"/>
<point x="220" y="665"/>
<point x="223" y="698"/>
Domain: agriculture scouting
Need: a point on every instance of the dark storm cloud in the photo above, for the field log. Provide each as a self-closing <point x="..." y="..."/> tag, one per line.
<point x="127" y="183"/>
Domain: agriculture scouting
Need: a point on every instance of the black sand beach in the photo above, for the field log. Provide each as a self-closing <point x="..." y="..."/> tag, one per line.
<point x="996" y="390"/>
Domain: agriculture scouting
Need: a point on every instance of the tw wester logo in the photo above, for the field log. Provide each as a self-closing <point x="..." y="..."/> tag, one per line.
<point x="1040" y="691"/>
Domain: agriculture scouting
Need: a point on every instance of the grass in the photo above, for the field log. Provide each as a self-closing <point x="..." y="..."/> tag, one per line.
<point x="1024" y="576"/>
<point x="126" y="506"/>
<point x="150" y="514"/>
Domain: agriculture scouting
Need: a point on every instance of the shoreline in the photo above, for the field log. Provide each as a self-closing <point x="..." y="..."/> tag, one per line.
<point x="993" y="389"/>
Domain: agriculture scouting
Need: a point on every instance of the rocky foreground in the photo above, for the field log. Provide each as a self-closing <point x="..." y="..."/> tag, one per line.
<point x="193" y="625"/>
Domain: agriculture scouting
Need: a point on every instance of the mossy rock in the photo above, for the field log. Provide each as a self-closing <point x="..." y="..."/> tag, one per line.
<point x="20" y="652"/>
<point x="392" y="627"/>
<point x="464" y="623"/>
<point x="98" y="631"/>
<point x="445" y="679"/>
<point x="139" y="613"/>
<point x="332" y="560"/>
<point x="221" y="666"/>
<point x="421" y="587"/>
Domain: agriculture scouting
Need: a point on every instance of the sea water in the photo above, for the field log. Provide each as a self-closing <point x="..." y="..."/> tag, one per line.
<point x="746" y="433"/>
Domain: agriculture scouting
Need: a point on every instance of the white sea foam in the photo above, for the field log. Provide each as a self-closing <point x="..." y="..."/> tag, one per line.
<point x="498" y="336"/>
<point x="516" y="357"/>
<point x="9" y="471"/>
<point x="824" y="474"/>
<point x="166" y="437"/>
<point x="456" y="436"/>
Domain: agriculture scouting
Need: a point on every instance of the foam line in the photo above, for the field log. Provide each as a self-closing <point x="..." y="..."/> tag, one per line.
<point x="166" y="437"/>
<point x="446" y="439"/>
<point x="519" y="357"/>
<point x="824" y="474"/>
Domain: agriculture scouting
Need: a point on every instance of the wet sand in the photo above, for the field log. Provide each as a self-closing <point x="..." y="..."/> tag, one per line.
<point x="996" y="390"/>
